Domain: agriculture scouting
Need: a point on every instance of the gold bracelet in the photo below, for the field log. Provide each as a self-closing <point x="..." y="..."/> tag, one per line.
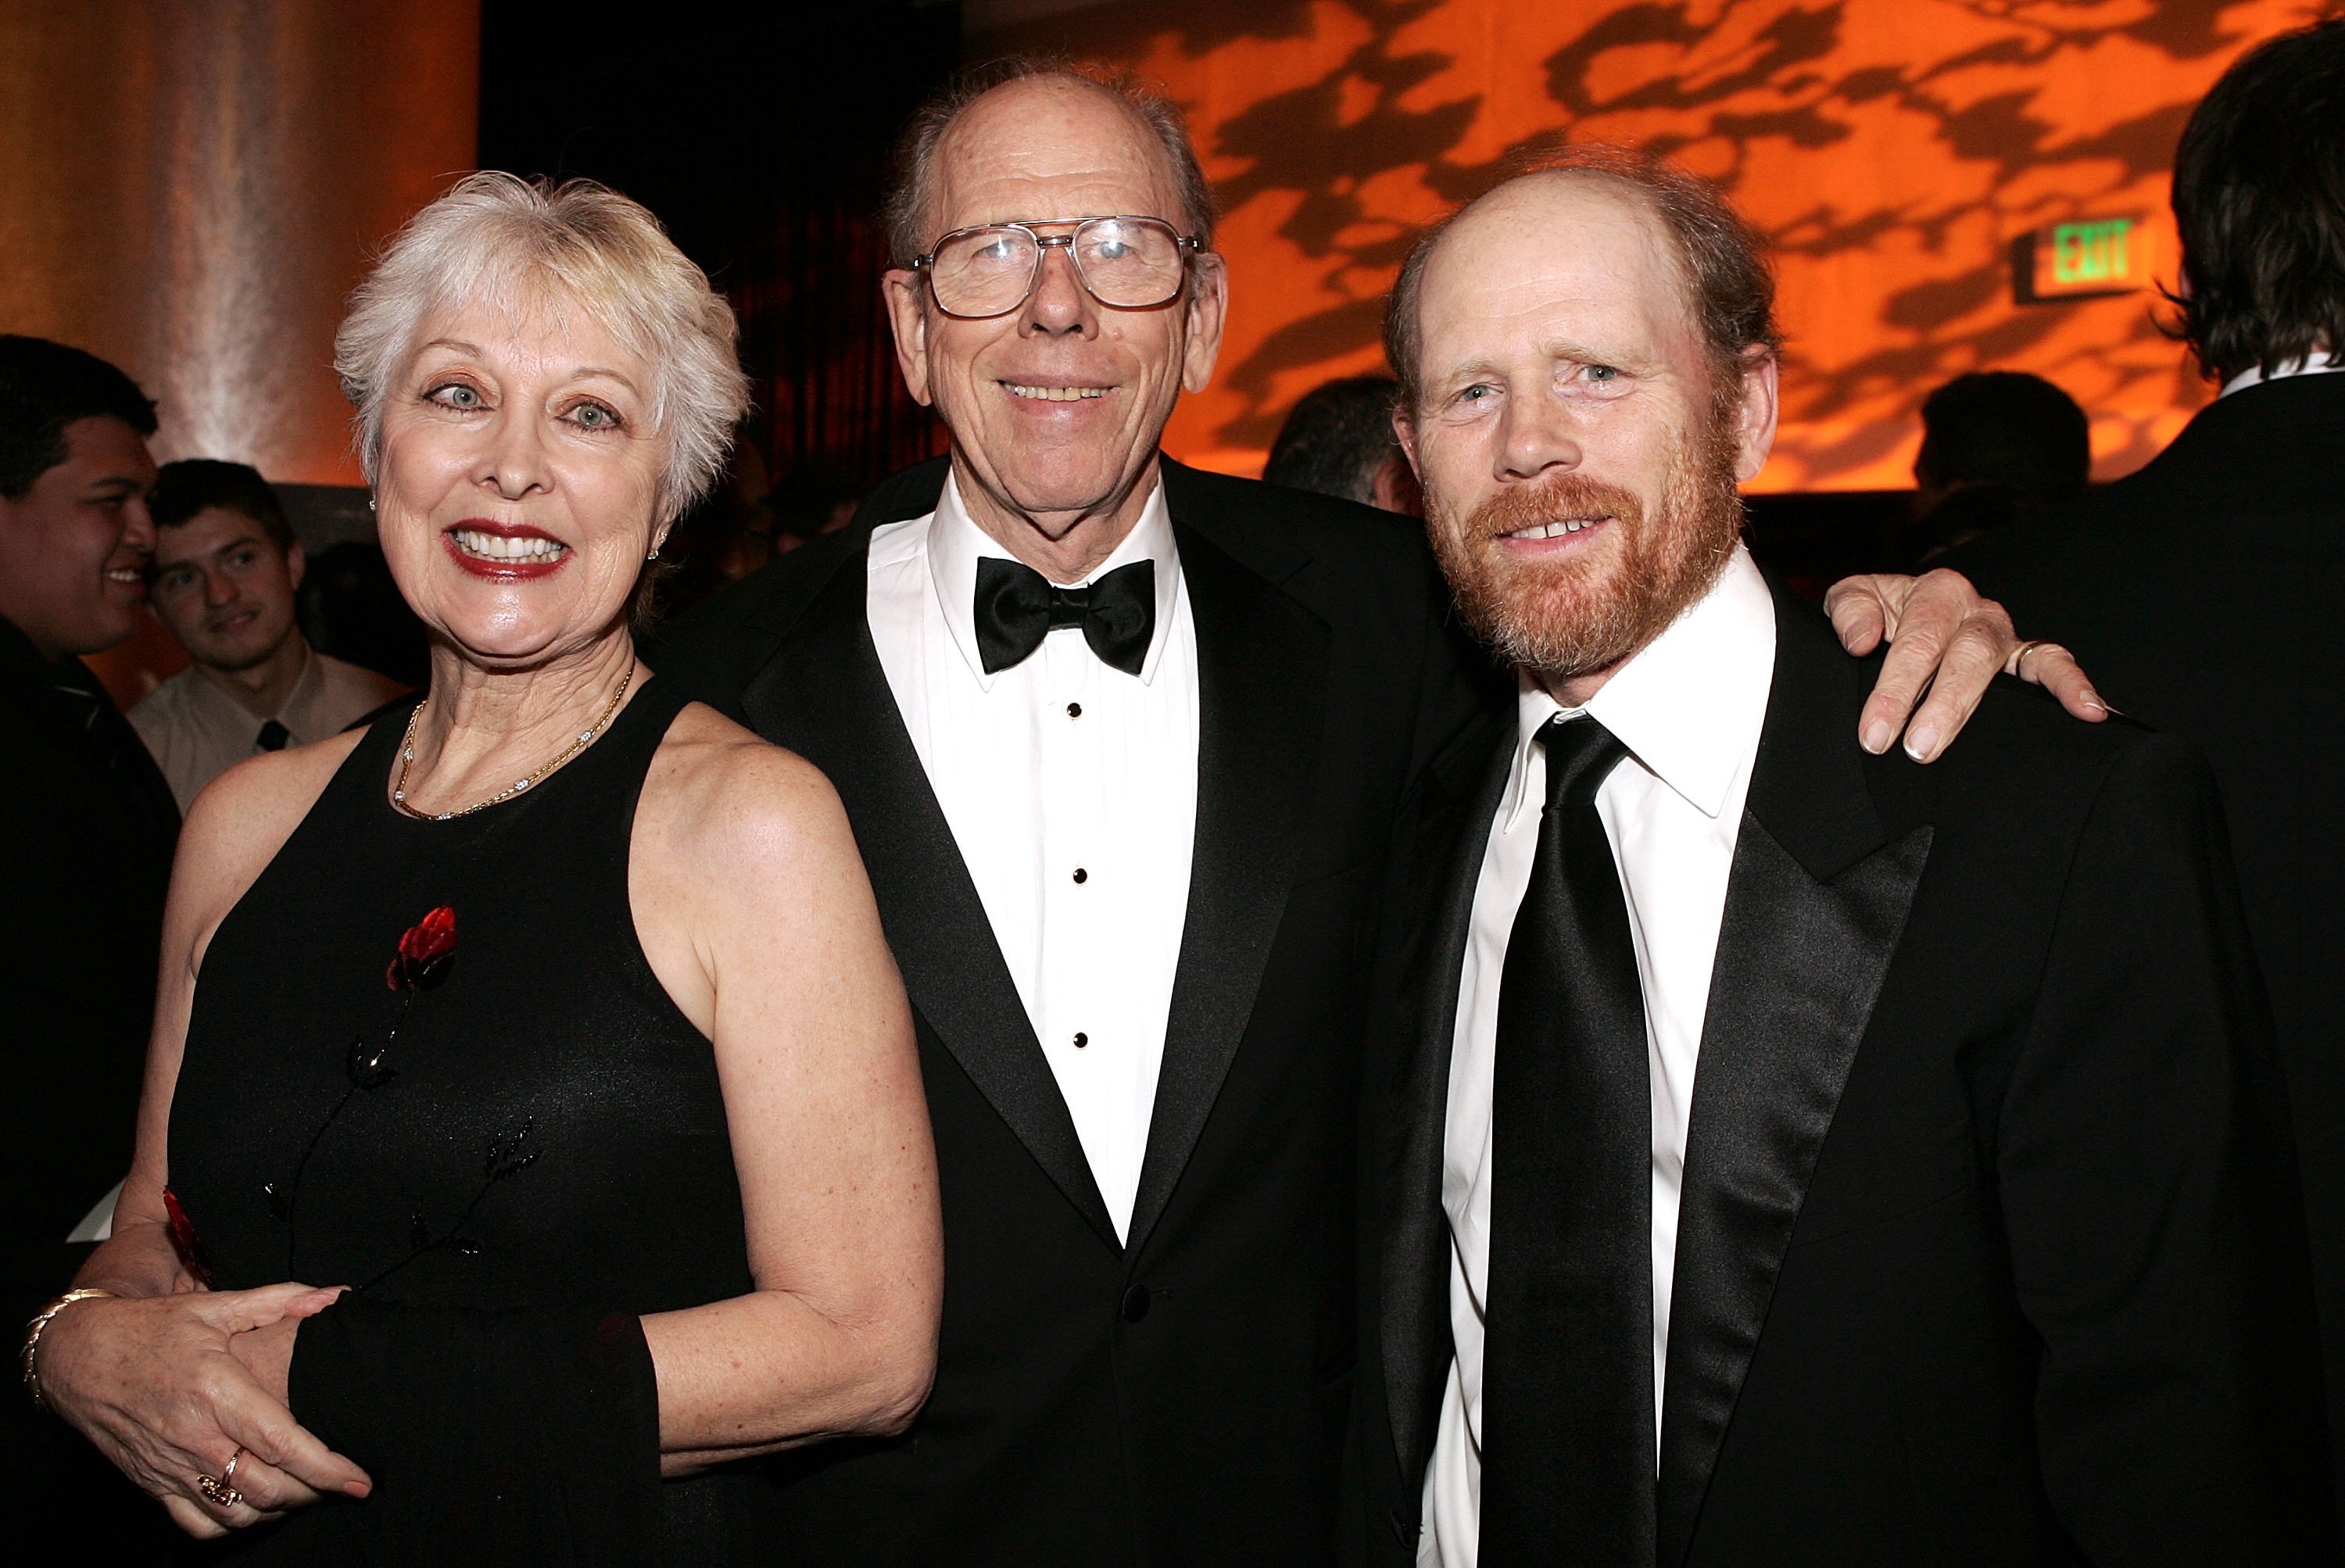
<point x="40" y="1325"/>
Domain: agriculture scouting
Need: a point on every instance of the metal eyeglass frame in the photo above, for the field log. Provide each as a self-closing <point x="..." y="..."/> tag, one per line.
<point x="1186" y="245"/>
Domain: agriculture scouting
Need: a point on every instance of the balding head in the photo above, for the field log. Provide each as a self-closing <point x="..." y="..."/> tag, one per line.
<point x="1719" y="259"/>
<point x="1056" y="400"/>
<point x="1007" y="87"/>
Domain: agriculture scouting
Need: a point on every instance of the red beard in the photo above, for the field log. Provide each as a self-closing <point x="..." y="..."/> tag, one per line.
<point x="1590" y="608"/>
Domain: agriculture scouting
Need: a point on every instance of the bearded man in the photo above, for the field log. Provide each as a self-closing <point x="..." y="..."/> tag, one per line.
<point x="1787" y="1153"/>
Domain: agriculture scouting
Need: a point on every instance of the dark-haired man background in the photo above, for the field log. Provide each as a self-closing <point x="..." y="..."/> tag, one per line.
<point x="225" y="572"/>
<point x="1122" y="743"/>
<point x="1998" y="447"/>
<point x="1788" y="1155"/>
<point x="2232" y="542"/>
<point x="1337" y="439"/>
<point x="85" y="855"/>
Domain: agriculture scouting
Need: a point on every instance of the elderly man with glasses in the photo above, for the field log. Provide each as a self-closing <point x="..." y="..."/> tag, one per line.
<point x="1123" y="744"/>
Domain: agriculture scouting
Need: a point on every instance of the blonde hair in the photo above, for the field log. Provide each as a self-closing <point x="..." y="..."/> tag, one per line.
<point x="497" y="236"/>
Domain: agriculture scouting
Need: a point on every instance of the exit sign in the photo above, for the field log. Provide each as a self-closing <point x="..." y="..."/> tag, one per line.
<point x="2087" y="257"/>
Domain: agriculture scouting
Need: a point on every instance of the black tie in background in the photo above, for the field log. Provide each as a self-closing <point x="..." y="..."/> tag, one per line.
<point x="1017" y="607"/>
<point x="1568" y="1358"/>
<point x="273" y="737"/>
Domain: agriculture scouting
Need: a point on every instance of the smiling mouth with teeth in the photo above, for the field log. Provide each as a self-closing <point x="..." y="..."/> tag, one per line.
<point x="1054" y="394"/>
<point x="502" y="547"/>
<point x="1555" y="530"/>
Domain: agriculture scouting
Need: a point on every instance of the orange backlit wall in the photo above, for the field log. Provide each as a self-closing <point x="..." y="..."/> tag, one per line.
<point x="1894" y="149"/>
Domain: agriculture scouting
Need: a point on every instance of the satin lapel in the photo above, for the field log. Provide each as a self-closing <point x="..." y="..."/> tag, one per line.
<point x="1814" y="908"/>
<point x="1452" y="832"/>
<point x="824" y="696"/>
<point x="1262" y="674"/>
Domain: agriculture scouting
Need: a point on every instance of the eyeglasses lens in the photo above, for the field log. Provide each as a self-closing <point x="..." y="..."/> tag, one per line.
<point x="1128" y="263"/>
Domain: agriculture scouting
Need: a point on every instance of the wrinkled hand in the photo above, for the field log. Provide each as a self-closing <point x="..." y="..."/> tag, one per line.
<point x="158" y="1384"/>
<point x="1944" y="638"/>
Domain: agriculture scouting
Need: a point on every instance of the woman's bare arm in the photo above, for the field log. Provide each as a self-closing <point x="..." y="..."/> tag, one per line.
<point x="755" y="913"/>
<point x="150" y="1378"/>
<point x="234" y="830"/>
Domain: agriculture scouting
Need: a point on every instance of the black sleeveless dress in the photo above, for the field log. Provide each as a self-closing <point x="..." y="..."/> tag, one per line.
<point x="430" y="1060"/>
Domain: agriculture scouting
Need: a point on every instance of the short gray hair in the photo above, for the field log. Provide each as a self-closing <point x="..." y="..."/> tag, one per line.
<point x="905" y="213"/>
<point x="496" y="236"/>
<point x="1730" y="290"/>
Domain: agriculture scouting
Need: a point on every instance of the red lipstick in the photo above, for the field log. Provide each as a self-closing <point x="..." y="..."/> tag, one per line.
<point x="482" y="559"/>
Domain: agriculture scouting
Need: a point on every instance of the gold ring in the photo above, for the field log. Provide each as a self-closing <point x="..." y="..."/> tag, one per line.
<point x="218" y="1491"/>
<point x="2016" y="664"/>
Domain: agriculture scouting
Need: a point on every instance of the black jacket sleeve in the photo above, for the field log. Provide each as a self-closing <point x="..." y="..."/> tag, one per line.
<point x="2146" y="1175"/>
<point x="534" y="1432"/>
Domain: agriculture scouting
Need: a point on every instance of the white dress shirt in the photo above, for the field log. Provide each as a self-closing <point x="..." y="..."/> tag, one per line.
<point x="1689" y="708"/>
<point x="197" y="731"/>
<point x="1071" y="789"/>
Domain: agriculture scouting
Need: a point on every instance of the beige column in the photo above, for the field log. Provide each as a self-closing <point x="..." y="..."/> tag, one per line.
<point x="190" y="189"/>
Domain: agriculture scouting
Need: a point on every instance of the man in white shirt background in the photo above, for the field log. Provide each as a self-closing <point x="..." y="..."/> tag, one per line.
<point x="1789" y="1155"/>
<point x="223" y="581"/>
<point x="1123" y="744"/>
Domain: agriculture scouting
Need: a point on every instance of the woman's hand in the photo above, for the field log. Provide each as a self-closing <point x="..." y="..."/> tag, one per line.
<point x="1943" y="637"/>
<point x="166" y="1390"/>
<point x="268" y="1354"/>
<point x="151" y="1376"/>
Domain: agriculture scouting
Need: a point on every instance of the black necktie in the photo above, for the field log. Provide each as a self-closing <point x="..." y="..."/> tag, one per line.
<point x="1568" y="1359"/>
<point x="1017" y="607"/>
<point x="273" y="737"/>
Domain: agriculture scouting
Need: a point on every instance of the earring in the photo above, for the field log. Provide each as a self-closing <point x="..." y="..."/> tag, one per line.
<point x="655" y="554"/>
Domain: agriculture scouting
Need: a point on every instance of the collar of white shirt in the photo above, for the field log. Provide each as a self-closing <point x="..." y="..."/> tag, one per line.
<point x="2255" y="375"/>
<point x="956" y="544"/>
<point x="215" y="706"/>
<point x="1688" y="706"/>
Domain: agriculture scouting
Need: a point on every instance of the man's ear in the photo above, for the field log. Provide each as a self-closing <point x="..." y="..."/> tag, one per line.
<point x="1754" y="432"/>
<point x="1208" y="308"/>
<point x="296" y="563"/>
<point x="1403" y="423"/>
<point x="900" y="289"/>
<point x="1395" y="487"/>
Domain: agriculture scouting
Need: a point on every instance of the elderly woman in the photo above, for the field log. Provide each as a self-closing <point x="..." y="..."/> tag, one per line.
<point x="533" y="1112"/>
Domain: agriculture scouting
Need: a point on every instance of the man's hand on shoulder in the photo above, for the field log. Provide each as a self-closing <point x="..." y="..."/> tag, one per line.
<point x="1946" y="641"/>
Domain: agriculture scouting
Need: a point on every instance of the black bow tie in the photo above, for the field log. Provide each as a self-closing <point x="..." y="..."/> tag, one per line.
<point x="1017" y="607"/>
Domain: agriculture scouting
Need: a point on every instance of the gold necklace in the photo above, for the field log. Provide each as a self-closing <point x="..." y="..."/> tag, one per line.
<point x="407" y="759"/>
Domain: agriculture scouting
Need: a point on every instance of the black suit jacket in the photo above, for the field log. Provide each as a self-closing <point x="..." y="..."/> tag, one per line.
<point x="85" y="857"/>
<point x="1982" y="1254"/>
<point x="87" y="827"/>
<point x="1180" y="1398"/>
<point x="2203" y="593"/>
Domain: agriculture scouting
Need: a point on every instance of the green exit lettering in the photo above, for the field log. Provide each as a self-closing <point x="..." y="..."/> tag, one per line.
<point x="2091" y="252"/>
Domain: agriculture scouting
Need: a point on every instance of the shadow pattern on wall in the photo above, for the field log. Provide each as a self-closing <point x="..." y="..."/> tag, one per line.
<point x="1891" y="149"/>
